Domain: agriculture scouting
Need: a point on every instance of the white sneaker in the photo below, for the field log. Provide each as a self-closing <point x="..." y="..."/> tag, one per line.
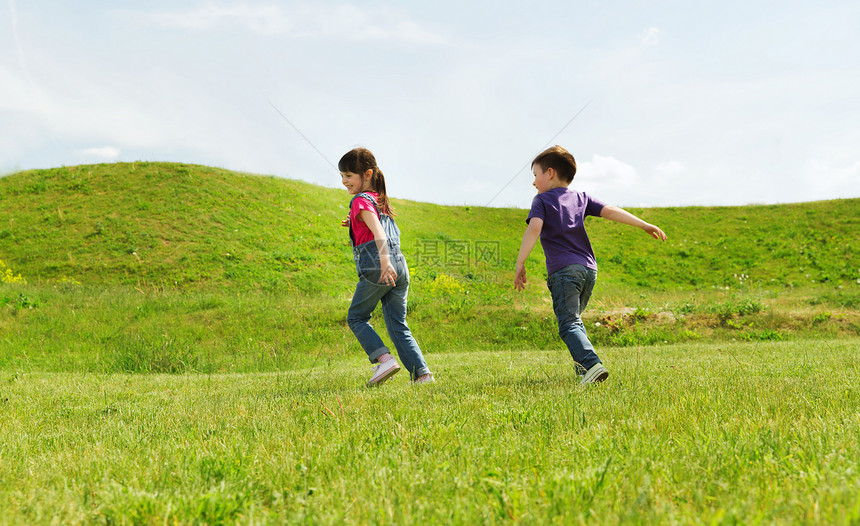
<point x="424" y="380"/>
<point x="596" y="374"/>
<point x="382" y="372"/>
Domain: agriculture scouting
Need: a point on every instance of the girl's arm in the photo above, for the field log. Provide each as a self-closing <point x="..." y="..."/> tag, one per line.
<point x="613" y="213"/>
<point x="529" y="239"/>
<point x="388" y="274"/>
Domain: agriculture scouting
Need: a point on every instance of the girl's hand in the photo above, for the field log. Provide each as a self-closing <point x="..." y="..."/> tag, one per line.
<point x="388" y="275"/>
<point x="345" y="222"/>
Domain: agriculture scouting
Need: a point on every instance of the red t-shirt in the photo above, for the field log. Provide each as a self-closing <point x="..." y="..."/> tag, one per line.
<point x="360" y="231"/>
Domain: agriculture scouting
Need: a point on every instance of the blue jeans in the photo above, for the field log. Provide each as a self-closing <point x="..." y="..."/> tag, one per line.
<point x="571" y="288"/>
<point x="368" y="293"/>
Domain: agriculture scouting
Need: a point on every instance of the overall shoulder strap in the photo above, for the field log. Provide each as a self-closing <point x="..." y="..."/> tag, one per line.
<point x="369" y="198"/>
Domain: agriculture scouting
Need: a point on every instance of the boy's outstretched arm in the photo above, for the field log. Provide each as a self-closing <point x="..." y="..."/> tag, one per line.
<point x="529" y="239"/>
<point x="613" y="213"/>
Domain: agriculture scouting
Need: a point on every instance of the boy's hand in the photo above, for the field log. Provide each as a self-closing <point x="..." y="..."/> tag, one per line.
<point x="530" y="237"/>
<point x="654" y="231"/>
<point x="619" y="215"/>
<point x="520" y="277"/>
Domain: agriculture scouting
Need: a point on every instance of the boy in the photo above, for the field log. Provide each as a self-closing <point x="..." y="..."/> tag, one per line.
<point x="558" y="217"/>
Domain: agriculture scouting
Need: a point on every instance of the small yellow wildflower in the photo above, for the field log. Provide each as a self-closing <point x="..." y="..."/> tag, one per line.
<point x="7" y="276"/>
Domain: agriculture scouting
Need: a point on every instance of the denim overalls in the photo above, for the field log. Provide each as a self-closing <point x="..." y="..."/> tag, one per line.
<point x="369" y="292"/>
<point x="366" y="255"/>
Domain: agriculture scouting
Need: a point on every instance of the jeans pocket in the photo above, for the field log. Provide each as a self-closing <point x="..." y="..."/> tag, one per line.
<point x="565" y="290"/>
<point x="369" y="269"/>
<point x="400" y="267"/>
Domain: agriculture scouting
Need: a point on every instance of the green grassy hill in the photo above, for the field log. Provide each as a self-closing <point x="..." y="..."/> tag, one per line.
<point x="180" y="224"/>
<point x="188" y="257"/>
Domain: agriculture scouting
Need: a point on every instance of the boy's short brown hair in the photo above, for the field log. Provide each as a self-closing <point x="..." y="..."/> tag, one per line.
<point x="558" y="159"/>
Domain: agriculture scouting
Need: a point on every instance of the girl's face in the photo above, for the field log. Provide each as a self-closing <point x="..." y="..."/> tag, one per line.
<point x="356" y="183"/>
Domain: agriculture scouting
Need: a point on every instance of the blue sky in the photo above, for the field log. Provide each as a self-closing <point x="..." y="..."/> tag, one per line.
<point x="685" y="103"/>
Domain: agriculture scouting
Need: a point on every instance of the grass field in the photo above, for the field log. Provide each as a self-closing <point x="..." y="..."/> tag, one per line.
<point x="159" y="267"/>
<point x="743" y="433"/>
<point x="173" y="349"/>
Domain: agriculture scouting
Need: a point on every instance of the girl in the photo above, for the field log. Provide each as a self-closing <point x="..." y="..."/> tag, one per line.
<point x="382" y="272"/>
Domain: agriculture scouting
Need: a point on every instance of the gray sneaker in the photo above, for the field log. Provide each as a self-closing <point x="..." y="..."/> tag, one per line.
<point x="596" y="374"/>
<point x="428" y="379"/>
<point x="382" y="372"/>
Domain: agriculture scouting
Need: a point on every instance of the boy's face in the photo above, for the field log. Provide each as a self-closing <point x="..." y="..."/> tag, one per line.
<point x="544" y="180"/>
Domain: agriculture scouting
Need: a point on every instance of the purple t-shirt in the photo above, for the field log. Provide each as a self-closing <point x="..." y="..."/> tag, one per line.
<point x="563" y="236"/>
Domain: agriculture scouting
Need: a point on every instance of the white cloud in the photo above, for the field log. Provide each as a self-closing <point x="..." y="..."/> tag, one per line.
<point x="409" y="31"/>
<point x="261" y="19"/>
<point x="670" y="168"/>
<point x="103" y="152"/>
<point x="606" y="172"/>
<point x="616" y="182"/>
<point x="651" y="36"/>
<point x="304" y="21"/>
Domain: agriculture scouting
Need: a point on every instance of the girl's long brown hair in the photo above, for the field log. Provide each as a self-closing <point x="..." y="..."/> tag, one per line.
<point x="360" y="160"/>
